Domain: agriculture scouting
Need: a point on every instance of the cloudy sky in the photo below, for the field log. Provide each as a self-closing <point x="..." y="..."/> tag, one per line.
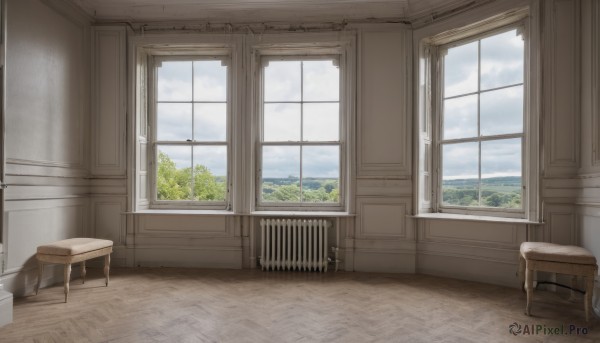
<point x="301" y="104"/>
<point x="500" y="110"/>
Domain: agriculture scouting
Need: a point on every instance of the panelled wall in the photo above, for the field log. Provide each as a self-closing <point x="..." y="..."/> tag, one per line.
<point x="70" y="159"/>
<point x="587" y="185"/>
<point x="383" y="238"/>
<point x="47" y="129"/>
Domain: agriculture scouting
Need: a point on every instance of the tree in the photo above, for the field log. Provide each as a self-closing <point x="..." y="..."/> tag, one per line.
<point x="176" y="184"/>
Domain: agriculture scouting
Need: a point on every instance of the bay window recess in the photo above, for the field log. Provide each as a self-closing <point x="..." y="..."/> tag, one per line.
<point x="477" y="130"/>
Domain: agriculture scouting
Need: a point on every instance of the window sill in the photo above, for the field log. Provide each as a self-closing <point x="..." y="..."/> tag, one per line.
<point x="252" y="214"/>
<point x="465" y="217"/>
<point x="300" y="214"/>
<point x="184" y="212"/>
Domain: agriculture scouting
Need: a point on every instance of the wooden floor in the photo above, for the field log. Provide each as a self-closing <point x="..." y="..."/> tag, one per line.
<point x="191" y="305"/>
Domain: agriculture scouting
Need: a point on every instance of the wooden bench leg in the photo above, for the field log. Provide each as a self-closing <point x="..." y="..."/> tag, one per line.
<point x="529" y="288"/>
<point x="40" y="274"/>
<point x="67" y="279"/>
<point x="83" y="272"/>
<point x="589" y="292"/>
<point x="522" y="272"/>
<point x="106" y="267"/>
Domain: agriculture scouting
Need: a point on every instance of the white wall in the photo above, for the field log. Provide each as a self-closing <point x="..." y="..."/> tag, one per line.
<point x="588" y="182"/>
<point x="69" y="165"/>
<point x="47" y="145"/>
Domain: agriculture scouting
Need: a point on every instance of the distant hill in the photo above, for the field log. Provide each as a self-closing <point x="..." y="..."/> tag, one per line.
<point x="506" y="181"/>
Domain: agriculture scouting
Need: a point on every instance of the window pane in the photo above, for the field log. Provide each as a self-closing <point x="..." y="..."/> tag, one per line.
<point x="501" y="60"/>
<point x="282" y="81"/>
<point x="321" y="81"/>
<point x="502" y="111"/>
<point x="174" y="122"/>
<point x="320" y="173"/>
<point x="321" y="122"/>
<point x="281" y="173"/>
<point x="501" y="173"/>
<point x="210" y="173"/>
<point x="210" y="122"/>
<point x="210" y="81"/>
<point x="460" y="117"/>
<point x="460" y="70"/>
<point x="281" y="122"/>
<point x="460" y="178"/>
<point x="175" y="81"/>
<point x="174" y="173"/>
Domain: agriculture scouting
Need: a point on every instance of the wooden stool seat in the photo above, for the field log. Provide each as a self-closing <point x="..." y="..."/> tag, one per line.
<point x="561" y="259"/>
<point x="70" y="251"/>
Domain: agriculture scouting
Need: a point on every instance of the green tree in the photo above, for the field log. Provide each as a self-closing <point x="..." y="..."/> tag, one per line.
<point x="176" y="184"/>
<point x="207" y="186"/>
<point x="172" y="183"/>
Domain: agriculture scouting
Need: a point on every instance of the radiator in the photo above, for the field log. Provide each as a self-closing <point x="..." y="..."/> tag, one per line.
<point x="294" y="244"/>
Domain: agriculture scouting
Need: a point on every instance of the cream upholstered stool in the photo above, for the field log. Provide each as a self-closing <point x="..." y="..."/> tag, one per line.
<point x="70" y="251"/>
<point x="561" y="259"/>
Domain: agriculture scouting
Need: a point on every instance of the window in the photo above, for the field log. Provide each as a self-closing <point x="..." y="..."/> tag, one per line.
<point x="300" y="145"/>
<point x="189" y="107"/>
<point x="481" y="124"/>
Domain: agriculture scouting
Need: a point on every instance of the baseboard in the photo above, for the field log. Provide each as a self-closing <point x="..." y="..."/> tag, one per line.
<point x="470" y="269"/>
<point x="391" y="261"/>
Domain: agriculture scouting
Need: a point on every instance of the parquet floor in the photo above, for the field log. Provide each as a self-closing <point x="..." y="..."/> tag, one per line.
<point x="192" y="305"/>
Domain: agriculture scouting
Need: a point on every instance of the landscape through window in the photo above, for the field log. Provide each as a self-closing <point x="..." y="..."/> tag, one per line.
<point x="300" y="145"/>
<point x="482" y="122"/>
<point x="191" y="130"/>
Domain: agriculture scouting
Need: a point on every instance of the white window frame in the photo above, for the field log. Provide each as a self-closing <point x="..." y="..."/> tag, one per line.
<point x="427" y="171"/>
<point x="154" y="61"/>
<point x="303" y="52"/>
<point x="438" y="83"/>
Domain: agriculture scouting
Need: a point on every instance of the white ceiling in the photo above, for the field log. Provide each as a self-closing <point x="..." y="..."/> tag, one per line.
<point x="260" y="10"/>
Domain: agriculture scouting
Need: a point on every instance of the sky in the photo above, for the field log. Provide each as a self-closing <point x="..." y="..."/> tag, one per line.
<point x="312" y="87"/>
<point x="501" y="110"/>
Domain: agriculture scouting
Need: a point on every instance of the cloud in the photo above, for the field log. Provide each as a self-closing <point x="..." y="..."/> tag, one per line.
<point x="210" y="81"/>
<point x="498" y="158"/>
<point x="174" y="122"/>
<point x="321" y="161"/>
<point x="460" y="161"/>
<point x="281" y="122"/>
<point x="460" y="70"/>
<point x="280" y="161"/>
<point x="210" y="122"/>
<point x="502" y="111"/>
<point x="175" y="81"/>
<point x="321" y="81"/>
<point x="282" y="81"/>
<point x="502" y="58"/>
<point x="321" y="122"/>
<point x="460" y="117"/>
<point x="501" y="158"/>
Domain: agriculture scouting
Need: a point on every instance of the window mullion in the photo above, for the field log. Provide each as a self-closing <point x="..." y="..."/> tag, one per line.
<point x="193" y="190"/>
<point x="479" y="112"/>
<point x="301" y="126"/>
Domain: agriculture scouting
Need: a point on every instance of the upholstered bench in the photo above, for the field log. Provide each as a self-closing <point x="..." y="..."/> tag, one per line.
<point x="561" y="259"/>
<point x="70" y="251"/>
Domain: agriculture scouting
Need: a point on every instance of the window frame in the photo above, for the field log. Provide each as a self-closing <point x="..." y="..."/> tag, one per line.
<point x="300" y="54"/>
<point x="436" y="51"/>
<point x="427" y="182"/>
<point x="186" y="54"/>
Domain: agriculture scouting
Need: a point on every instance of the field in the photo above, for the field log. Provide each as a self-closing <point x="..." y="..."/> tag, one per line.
<point x="501" y="192"/>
